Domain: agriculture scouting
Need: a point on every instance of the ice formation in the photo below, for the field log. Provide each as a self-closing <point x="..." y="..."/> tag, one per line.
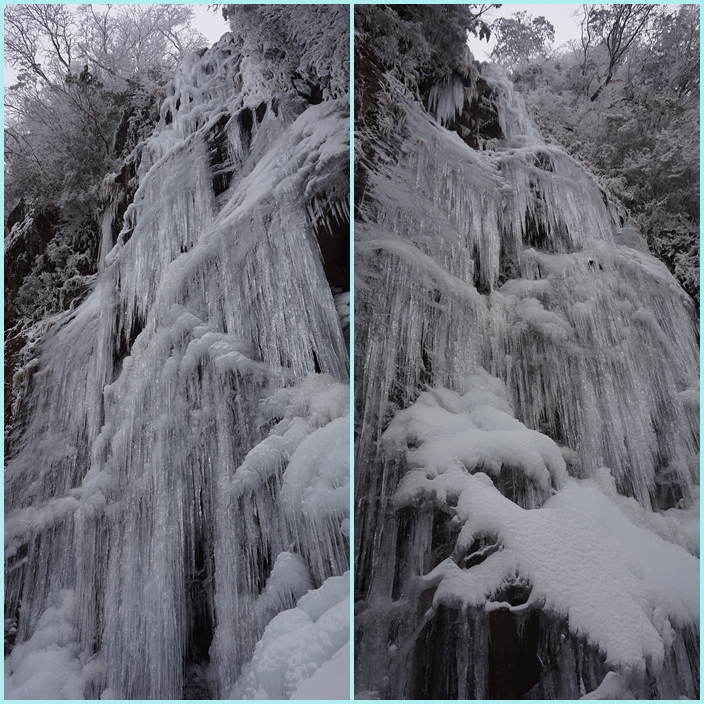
<point x="184" y="473"/>
<point x="526" y="468"/>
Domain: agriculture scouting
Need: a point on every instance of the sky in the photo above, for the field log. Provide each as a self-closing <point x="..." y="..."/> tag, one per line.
<point x="210" y="24"/>
<point x="560" y="16"/>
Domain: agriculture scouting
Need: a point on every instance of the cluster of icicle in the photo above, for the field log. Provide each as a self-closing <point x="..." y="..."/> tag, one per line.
<point x="184" y="476"/>
<point x="528" y="420"/>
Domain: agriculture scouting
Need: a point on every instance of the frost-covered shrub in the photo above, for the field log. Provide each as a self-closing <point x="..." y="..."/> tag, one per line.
<point x="305" y="47"/>
<point x="419" y="43"/>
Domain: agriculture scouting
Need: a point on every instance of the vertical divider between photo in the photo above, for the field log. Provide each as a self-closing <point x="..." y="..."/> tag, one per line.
<point x="351" y="350"/>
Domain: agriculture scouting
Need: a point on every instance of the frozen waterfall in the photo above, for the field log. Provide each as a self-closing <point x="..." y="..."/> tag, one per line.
<point x="527" y="415"/>
<point x="180" y="495"/>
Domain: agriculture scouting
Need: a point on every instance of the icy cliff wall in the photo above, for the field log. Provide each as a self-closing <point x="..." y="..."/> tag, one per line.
<point x="526" y="463"/>
<point x="183" y="476"/>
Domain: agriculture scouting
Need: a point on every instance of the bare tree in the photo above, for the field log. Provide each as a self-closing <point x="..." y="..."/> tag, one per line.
<point x="125" y="39"/>
<point x="40" y="38"/>
<point x="617" y="28"/>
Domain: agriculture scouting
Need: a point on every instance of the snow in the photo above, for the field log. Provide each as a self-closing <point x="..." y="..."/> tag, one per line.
<point x="483" y="438"/>
<point x="612" y="687"/>
<point x="47" y="666"/>
<point x="304" y="652"/>
<point x="316" y="480"/>
<point x="615" y="581"/>
<point x="330" y="681"/>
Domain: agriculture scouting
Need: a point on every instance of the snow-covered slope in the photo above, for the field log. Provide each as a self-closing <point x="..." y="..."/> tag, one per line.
<point x="527" y="412"/>
<point x="184" y="473"/>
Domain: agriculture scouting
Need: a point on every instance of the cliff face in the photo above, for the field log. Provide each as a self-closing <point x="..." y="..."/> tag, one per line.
<point x="180" y="479"/>
<point x="526" y="402"/>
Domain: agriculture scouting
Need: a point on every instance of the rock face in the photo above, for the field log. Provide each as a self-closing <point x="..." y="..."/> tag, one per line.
<point x="526" y="411"/>
<point x="29" y="232"/>
<point x="182" y="475"/>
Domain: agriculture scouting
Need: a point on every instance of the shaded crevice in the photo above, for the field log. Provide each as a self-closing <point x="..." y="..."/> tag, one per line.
<point x="668" y="492"/>
<point x="333" y="235"/>
<point x="514" y="667"/>
<point x="508" y="265"/>
<point x="501" y="655"/>
<point x="316" y="362"/>
<point x="443" y="537"/>
<point x="478" y="122"/>
<point x="312" y="92"/>
<point x="552" y="426"/>
<point x="245" y="118"/>
<point x="127" y="187"/>
<point x="201" y="626"/>
<point x="426" y="369"/>
<point x="480" y="549"/>
<point x="479" y="280"/>
<point x="406" y="518"/>
<point x="434" y="674"/>
<point x="218" y="155"/>
<point x="544" y="162"/>
<point x="568" y="663"/>
<point x="534" y="232"/>
<point x="124" y="345"/>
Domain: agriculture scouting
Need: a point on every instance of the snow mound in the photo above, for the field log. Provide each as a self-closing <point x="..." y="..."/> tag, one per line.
<point x="47" y="666"/>
<point x="304" y="651"/>
<point x="477" y="431"/>
<point x="611" y="687"/>
<point x="583" y="553"/>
